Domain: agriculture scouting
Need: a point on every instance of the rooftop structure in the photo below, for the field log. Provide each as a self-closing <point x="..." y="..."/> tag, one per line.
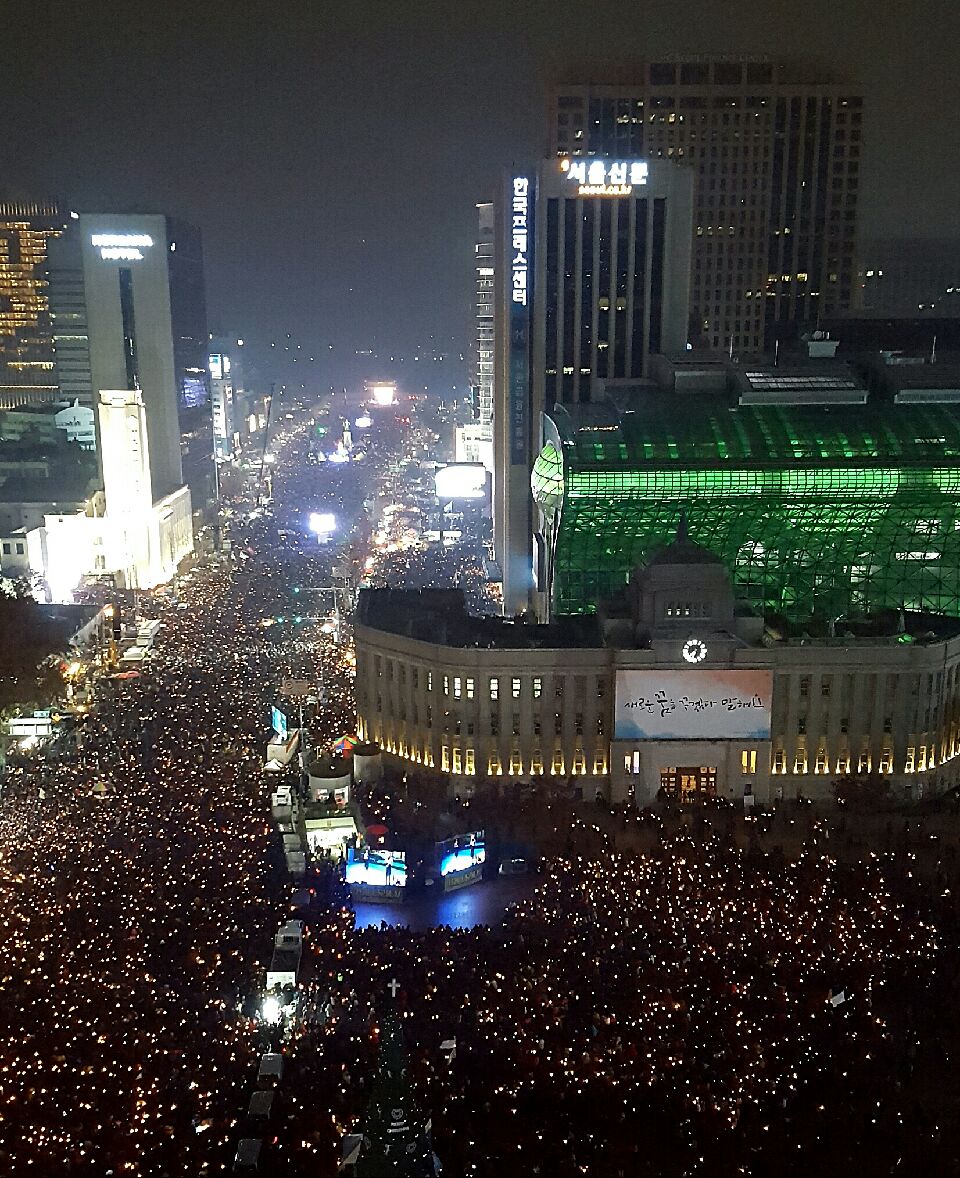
<point x="828" y="510"/>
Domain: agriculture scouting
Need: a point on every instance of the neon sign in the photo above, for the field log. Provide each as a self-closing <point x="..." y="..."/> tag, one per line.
<point x="605" y="177"/>
<point x="519" y="238"/>
<point x="121" y="247"/>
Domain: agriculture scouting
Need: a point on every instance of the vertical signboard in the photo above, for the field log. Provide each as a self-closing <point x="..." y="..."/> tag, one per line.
<point x="520" y="250"/>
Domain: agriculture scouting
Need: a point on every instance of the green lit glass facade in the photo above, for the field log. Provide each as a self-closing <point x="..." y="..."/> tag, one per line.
<point x="815" y="510"/>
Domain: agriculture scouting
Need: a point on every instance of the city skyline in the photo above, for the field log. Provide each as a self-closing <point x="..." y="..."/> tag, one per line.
<point x="334" y="136"/>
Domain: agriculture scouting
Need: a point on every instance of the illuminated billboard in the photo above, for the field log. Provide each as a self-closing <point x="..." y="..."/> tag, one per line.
<point x="461" y="480"/>
<point x="279" y="721"/>
<point x="693" y="705"/>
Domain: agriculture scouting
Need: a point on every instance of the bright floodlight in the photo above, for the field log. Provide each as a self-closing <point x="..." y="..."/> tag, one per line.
<point x="323" y="522"/>
<point x="271" y="1010"/>
<point x="382" y="392"/>
<point x="363" y="422"/>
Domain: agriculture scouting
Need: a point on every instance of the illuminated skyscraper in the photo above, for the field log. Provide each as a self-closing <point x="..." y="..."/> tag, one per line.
<point x="592" y="269"/>
<point x="775" y="151"/>
<point x="27" y="362"/>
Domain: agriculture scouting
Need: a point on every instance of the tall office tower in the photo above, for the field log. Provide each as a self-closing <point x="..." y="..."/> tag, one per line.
<point x="592" y="264"/>
<point x="776" y="154"/>
<point x="474" y="441"/>
<point x="910" y="277"/>
<point x="127" y="285"/>
<point x="27" y="364"/>
<point x="484" y="321"/>
<point x="226" y="392"/>
<point x="68" y="317"/>
<point x="188" y="312"/>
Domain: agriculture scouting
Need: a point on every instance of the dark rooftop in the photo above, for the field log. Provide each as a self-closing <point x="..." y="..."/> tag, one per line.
<point x="440" y="616"/>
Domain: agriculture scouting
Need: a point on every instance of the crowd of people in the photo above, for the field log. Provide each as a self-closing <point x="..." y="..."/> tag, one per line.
<point x="141" y="884"/>
<point x="697" y="1009"/>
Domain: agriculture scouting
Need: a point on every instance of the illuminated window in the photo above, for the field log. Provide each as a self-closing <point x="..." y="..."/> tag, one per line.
<point x="446" y="685"/>
<point x="469" y="765"/>
<point x="515" y="686"/>
<point x="445" y="758"/>
<point x="457" y="687"/>
<point x="886" y="761"/>
<point x="557" y="763"/>
<point x="910" y="761"/>
<point x="599" y="763"/>
<point x="494" y="688"/>
<point x="800" y="761"/>
<point x="536" y="761"/>
<point x="748" y="761"/>
<point x="843" y="763"/>
<point x="429" y="680"/>
<point x="579" y="762"/>
<point x="780" y="761"/>
<point x="494" y="768"/>
<point x="457" y="761"/>
<point x="516" y="762"/>
<point x="537" y="687"/>
<point x="469" y="688"/>
<point x="821" y="763"/>
<point x="863" y="762"/>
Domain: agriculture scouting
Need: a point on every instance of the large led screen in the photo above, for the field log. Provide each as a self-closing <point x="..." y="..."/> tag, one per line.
<point x="376" y="868"/>
<point x="461" y="853"/>
<point x="693" y="705"/>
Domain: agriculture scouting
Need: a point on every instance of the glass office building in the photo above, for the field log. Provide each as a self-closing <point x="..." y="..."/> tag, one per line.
<point x="827" y="510"/>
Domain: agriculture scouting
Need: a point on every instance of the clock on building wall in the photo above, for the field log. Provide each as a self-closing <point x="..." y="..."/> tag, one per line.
<point x="694" y="650"/>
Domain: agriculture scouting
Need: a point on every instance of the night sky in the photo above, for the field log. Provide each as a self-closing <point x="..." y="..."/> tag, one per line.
<point x="332" y="153"/>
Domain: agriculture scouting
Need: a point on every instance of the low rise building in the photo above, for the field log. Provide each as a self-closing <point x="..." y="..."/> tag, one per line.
<point x="673" y="685"/>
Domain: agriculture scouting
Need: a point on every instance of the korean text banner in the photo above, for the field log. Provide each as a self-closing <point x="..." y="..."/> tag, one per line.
<point x="693" y="705"/>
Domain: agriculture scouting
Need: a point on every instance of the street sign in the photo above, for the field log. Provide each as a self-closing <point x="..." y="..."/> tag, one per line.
<point x="296" y="688"/>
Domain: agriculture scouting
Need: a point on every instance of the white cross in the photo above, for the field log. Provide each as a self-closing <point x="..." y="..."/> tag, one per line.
<point x="393" y="987"/>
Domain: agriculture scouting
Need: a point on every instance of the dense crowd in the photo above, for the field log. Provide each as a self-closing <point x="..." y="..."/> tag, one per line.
<point x="694" y="1010"/>
<point x="140" y="886"/>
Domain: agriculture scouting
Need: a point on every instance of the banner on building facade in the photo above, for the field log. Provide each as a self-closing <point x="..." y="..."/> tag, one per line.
<point x="693" y="705"/>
